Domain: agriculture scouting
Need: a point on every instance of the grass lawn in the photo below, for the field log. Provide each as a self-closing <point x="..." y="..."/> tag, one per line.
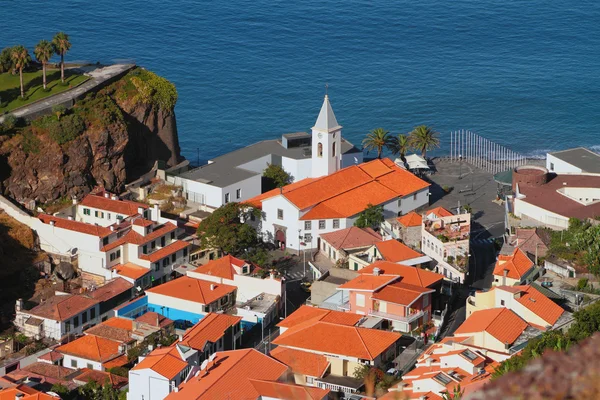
<point x="10" y="89"/>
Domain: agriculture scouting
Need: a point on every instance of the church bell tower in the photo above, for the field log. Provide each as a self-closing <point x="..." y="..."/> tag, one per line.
<point x="326" y="142"/>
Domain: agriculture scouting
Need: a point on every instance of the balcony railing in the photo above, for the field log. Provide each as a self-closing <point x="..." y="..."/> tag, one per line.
<point x="407" y="319"/>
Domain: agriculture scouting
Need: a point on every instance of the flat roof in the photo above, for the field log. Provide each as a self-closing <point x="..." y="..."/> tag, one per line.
<point x="225" y="170"/>
<point x="582" y="158"/>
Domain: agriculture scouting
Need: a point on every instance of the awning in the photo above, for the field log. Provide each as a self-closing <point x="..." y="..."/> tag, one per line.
<point x="504" y="177"/>
<point x="416" y="162"/>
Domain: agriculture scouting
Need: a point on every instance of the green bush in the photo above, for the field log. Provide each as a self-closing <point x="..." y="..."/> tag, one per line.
<point x="582" y="283"/>
<point x="31" y="143"/>
<point x="153" y="89"/>
<point x="10" y="122"/>
<point x="67" y="129"/>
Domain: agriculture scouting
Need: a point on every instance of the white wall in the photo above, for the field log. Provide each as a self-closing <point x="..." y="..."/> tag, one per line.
<point x="250" y="187"/>
<point x="81" y="363"/>
<point x="299" y="169"/>
<point x="352" y="159"/>
<point x="247" y="286"/>
<point x="560" y="166"/>
<point x="199" y="192"/>
<point x="145" y="384"/>
<point x="327" y="163"/>
<point x="412" y="202"/>
<point x="522" y="208"/>
<point x="173" y="302"/>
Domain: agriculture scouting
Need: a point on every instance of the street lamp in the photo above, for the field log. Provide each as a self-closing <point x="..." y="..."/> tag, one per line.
<point x="460" y="166"/>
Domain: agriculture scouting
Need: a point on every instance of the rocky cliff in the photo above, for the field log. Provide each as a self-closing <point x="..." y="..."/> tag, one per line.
<point x="109" y="138"/>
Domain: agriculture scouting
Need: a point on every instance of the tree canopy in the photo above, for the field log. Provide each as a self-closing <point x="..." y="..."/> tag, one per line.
<point x="378" y="139"/>
<point x="225" y="230"/>
<point x="424" y="138"/>
<point x="400" y="145"/>
<point x="370" y="217"/>
<point x="276" y="177"/>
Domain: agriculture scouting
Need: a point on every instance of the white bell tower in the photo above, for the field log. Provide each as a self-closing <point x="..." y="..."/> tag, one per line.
<point x="326" y="142"/>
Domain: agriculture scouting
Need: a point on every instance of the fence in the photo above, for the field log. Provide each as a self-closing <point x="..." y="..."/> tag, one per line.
<point x="483" y="153"/>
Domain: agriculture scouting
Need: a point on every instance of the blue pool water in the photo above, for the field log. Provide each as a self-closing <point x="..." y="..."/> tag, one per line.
<point x="523" y="73"/>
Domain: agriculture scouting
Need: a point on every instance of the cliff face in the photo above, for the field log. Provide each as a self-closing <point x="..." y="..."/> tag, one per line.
<point x="107" y="139"/>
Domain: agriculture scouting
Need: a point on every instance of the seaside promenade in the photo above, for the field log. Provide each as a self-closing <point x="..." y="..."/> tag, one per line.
<point x="100" y="77"/>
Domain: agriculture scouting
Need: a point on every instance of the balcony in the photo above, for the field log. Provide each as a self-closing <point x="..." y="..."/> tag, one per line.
<point x="393" y="317"/>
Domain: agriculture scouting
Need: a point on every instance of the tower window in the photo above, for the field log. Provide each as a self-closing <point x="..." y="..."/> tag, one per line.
<point x="320" y="150"/>
<point x="333" y="149"/>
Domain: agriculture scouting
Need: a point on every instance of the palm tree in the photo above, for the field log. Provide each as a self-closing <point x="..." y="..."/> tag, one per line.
<point x="377" y="139"/>
<point x="61" y="46"/>
<point x="43" y="53"/>
<point x="400" y="145"/>
<point x="424" y="138"/>
<point x="20" y="58"/>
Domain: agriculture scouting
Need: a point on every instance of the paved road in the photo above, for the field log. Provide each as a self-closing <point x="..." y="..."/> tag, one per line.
<point x="99" y="75"/>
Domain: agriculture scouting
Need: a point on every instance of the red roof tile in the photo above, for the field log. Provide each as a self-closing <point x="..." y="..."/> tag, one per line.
<point x="301" y="362"/>
<point x="135" y="238"/>
<point x="539" y="304"/>
<point x="229" y="375"/>
<point x="395" y="251"/>
<point x="411" y="275"/>
<point x="209" y="329"/>
<point x="439" y="212"/>
<point x="100" y="377"/>
<point x="278" y="390"/>
<point x="117" y="329"/>
<point x="91" y="347"/>
<point x="166" y="362"/>
<point x="51" y="356"/>
<point x="142" y="222"/>
<point x="110" y="290"/>
<point x="124" y="207"/>
<point x="222" y="267"/>
<point x="411" y="219"/>
<point x="191" y="289"/>
<point x="154" y="319"/>
<point x="352" y="238"/>
<point x="501" y="323"/>
<point x="76" y="226"/>
<point x="516" y="265"/>
<point x="368" y="283"/>
<point x="62" y="307"/>
<point x="131" y="270"/>
<point x="26" y="393"/>
<point x="329" y="338"/>
<point x="306" y="313"/>
<point x="401" y="293"/>
<point x="257" y="200"/>
<point x="165" y="251"/>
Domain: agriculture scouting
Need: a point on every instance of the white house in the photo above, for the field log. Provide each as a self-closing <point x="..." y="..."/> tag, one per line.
<point x="302" y="211"/>
<point x="93" y="352"/>
<point x="573" y="161"/>
<point x="237" y="176"/>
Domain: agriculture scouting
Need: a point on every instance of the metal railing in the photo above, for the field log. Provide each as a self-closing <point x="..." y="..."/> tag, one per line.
<point x="407" y="319"/>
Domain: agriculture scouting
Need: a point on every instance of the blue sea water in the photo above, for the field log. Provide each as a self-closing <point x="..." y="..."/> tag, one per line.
<point x="522" y="73"/>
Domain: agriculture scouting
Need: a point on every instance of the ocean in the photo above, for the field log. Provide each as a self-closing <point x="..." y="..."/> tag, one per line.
<point x="522" y="73"/>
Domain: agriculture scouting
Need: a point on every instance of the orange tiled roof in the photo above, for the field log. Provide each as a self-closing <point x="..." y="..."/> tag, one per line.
<point x="349" y="190"/>
<point x="279" y="390"/>
<point x="409" y="395"/>
<point x="142" y="222"/>
<point x="410" y="219"/>
<point x="516" y="265"/>
<point x="131" y="270"/>
<point x="209" y="329"/>
<point x="100" y="377"/>
<point x="411" y="275"/>
<point x="306" y="313"/>
<point x="166" y="362"/>
<point x="51" y="356"/>
<point x="111" y="289"/>
<point x="401" y="293"/>
<point x="27" y="394"/>
<point x="394" y="251"/>
<point x="368" y="282"/>
<point x="154" y="319"/>
<point x="91" y="347"/>
<point x="257" y="200"/>
<point x="439" y="212"/>
<point x="222" y="267"/>
<point x="351" y="238"/>
<point x="124" y="207"/>
<point x="501" y="323"/>
<point x="301" y="362"/>
<point x="76" y="226"/>
<point x="191" y="289"/>
<point x="329" y="338"/>
<point x="539" y="304"/>
<point x="229" y="375"/>
<point x="135" y="238"/>
<point x="116" y="362"/>
<point x="165" y="251"/>
<point x="62" y="307"/>
<point x="116" y="328"/>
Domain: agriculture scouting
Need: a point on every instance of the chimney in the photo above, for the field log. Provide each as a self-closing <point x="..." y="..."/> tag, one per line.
<point x="428" y="361"/>
<point x="140" y="211"/>
<point x="376" y="271"/>
<point x="212" y="286"/>
<point x="19" y="305"/>
<point x="74" y="200"/>
<point x="52" y="223"/>
<point x="112" y="228"/>
<point x="150" y="347"/>
<point x="19" y="396"/>
<point x="70" y="218"/>
<point x="114" y="197"/>
<point x="107" y="195"/>
<point x="281" y="190"/>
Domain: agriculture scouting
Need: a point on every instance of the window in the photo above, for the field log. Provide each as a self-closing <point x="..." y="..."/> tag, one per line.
<point x="74" y="363"/>
<point x="185" y="252"/>
<point x="92" y="313"/>
<point x="226" y="198"/>
<point x="307" y="225"/>
<point x="90" y="366"/>
<point x="165" y="262"/>
<point x="238" y="194"/>
<point x="162" y="241"/>
<point x="99" y="214"/>
<point x="153" y="244"/>
<point x="108" y="216"/>
<point x="86" y="211"/>
<point x="279" y="213"/>
<point x="76" y="321"/>
<point x="115" y="255"/>
<point x="322" y="224"/>
<point x="502" y="302"/>
<point x="415" y="196"/>
<point x="551" y="168"/>
<point x="173" y="257"/>
<point x="425" y="300"/>
<point x="360" y="300"/>
<point x="84" y="318"/>
<point x="172" y="235"/>
<point x="105" y="241"/>
<point x="324" y="246"/>
<point x="156" y="266"/>
<point x="320" y="150"/>
<point x="68" y="326"/>
<point x="336" y="224"/>
<point x="333" y="149"/>
<point x="307" y="238"/>
<point x="309" y="379"/>
<point x="223" y="300"/>
<point x="145" y="249"/>
<point x="356" y="266"/>
<point x="252" y="217"/>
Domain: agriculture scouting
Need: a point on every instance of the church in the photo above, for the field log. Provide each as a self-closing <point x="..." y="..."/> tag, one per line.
<point x="237" y="176"/>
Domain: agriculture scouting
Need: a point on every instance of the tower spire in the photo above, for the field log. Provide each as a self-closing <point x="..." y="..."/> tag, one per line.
<point x="326" y="122"/>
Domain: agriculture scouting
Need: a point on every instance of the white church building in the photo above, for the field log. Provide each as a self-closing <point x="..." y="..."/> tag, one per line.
<point x="335" y="193"/>
<point x="237" y="176"/>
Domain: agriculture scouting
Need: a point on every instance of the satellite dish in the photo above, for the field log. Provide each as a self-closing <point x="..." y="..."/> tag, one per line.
<point x="204" y="364"/>
<point x="212" y="357"/>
